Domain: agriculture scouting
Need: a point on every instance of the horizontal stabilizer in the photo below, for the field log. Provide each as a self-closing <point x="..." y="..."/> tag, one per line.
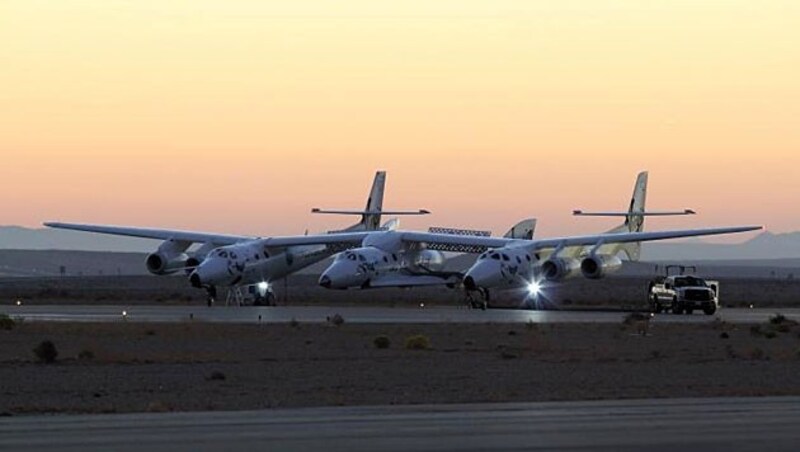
<point x="581" y="213"/>
<point x="370" y="212"/>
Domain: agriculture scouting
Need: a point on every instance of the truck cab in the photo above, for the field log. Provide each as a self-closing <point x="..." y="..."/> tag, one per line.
<point x="681" y="294"/>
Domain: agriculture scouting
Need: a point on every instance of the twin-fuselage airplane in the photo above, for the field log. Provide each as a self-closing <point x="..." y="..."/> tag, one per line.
<point x="372" y="256"/>
<point x="237" y="261"/>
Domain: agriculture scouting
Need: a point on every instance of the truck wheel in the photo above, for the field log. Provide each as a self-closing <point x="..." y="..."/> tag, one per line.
<point x="677" y="308"/>
<point x="655" y="305"/>
<point x="709" y="310"/>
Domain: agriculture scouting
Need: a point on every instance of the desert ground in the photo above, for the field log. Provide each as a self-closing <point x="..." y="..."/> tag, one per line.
<point x="116" y="368"/>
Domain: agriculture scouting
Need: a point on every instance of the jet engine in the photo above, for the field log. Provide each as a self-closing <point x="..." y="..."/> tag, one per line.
<point x="600" y="266"/>
<point x="170" y="258"/>
<point x="427" y="261"/>
<point x="557" y="269"/>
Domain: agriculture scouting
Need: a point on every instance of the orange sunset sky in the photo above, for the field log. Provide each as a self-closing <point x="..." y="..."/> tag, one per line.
<point x="239" y="116"/>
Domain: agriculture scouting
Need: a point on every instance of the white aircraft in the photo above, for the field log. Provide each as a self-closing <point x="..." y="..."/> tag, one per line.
<point x="398" y="258"/>
<point x="379" y="263"/>
<point x="237" y="261"/>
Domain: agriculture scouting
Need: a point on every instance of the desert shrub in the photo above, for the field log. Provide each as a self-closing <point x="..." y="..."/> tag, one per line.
<point x="771" y="334"/>
<point x="337" y="320"/>
<point x="86" y="355"/>
<point x="755" y="330"/>
<point x="46" y="352"/>
<point x="636" y="317"/>
<point x="418" y="342"/>
<point x="382" y="342"/>
<point x="724" y="335"/>
<point x="294" y="323"/>
<point x="778" y="319"/>
<point x="6" y="322"/>
<point x="217" y="376"/>
<point x="509" y="354"/>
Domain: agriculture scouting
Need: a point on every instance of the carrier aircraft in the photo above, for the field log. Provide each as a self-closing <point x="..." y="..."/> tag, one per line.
<point x="408" y="259"/>
<point x="507" y="262"/>
<point x="233" y="262"/>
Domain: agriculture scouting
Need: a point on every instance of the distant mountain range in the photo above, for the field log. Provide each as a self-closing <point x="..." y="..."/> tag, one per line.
<point x="766" y="246"/>
<point x="19" y="238"/>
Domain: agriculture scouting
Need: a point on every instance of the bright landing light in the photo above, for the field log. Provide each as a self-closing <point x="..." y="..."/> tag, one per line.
<point x="534" y="288"/>
<point x="263" y="286"/>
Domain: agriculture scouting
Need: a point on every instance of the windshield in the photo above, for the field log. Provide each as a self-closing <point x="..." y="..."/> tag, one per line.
<point x="690" y="281"/>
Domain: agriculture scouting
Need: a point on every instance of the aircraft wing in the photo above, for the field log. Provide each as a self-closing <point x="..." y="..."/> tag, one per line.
<point x="335" y="238"/>
<point x="628" y="237"/>
<point x="457" y="241"/>
<point x="155" y="234"/>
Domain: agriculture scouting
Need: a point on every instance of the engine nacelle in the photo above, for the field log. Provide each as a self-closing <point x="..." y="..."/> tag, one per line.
<point x="427" y="261"/>
<point x="170" y="258"/>
<point x="600" y="266"/>
<point x="558" y="269"/>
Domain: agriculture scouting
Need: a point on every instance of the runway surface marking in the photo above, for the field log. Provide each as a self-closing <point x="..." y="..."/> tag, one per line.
<point x="366" y="315"/>
<point x="653" y="425"/>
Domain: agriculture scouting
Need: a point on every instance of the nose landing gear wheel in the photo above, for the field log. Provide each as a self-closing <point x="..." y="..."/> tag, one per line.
<point x="482" y="303"/>
<point x="211" y="295"/>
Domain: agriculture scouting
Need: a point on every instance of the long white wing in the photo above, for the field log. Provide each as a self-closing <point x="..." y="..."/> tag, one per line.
<point x="628" y="237"/>
<point x="156" y="234"/>
<point x="586" y="240"/>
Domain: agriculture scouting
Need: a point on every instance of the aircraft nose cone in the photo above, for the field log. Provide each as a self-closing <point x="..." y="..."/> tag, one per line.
<point x="325" y="281"/>
<point x="195" y="280"/>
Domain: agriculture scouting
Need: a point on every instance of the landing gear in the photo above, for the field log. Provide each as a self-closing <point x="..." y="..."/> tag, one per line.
<point x="482" y="302"/>
<point x="531" y="302"/>
<point x="267" y="299"/>
<point x="234" y="296"/>
<point x="211" y="295"/>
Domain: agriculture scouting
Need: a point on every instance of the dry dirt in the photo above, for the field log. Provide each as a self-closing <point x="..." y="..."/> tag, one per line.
<point x="196" y="366"/>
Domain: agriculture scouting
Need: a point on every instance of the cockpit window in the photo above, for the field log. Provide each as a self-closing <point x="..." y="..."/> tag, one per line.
<point x="361" y="258"/>
<point x="351" y="257"/>
<point x="223" y="254"/>
<point x="496" y="256"/>
<point x="505" y="257"/>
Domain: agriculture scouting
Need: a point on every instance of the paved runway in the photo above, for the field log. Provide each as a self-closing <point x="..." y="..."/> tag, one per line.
<point x="663" y="425"/>
<point x="164" y="314"/>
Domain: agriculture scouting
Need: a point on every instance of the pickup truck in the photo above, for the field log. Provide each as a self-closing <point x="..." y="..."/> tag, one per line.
<point x="683" y="294"/>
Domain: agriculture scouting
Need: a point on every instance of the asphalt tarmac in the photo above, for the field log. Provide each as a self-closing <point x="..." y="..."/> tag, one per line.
<point x="653" y="425"/>
<point x="364" y="315"/>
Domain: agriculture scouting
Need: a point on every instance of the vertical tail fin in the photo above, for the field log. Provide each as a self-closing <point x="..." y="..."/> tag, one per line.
<point x="524" y="230"/>
<point x="634" y="222"/>
<point x="372" y="215"/>
<point x="635" y="218"/>
<point x="371" y="220"/>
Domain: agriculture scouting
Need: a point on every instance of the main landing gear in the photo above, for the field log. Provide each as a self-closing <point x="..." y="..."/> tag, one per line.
<point x="266" y="299"/>
<point x="481" y="301"/>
